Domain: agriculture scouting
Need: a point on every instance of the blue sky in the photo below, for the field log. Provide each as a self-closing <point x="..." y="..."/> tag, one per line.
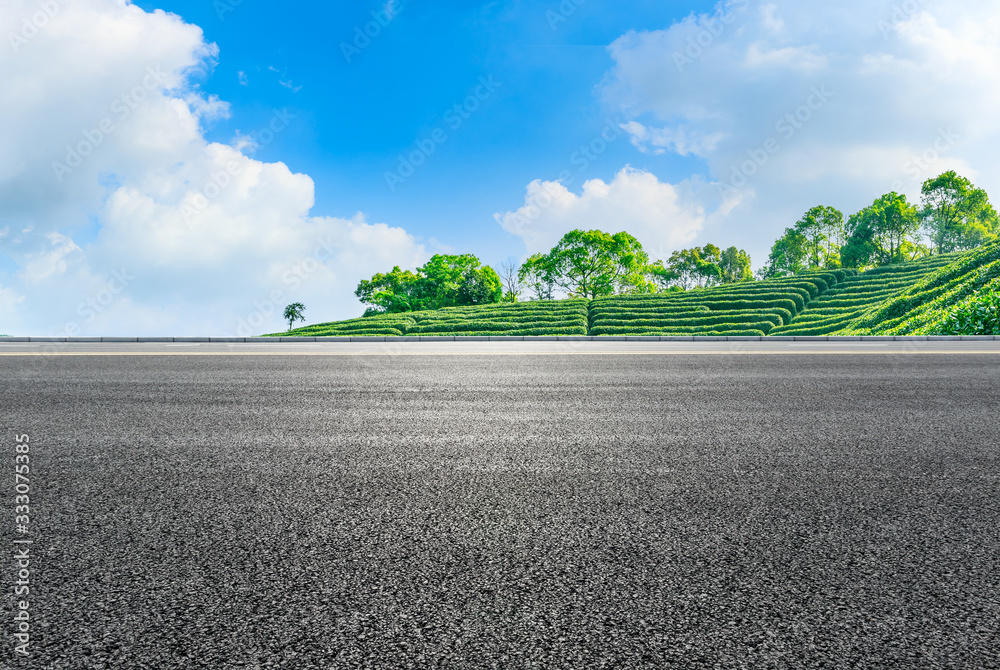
<point x="188" y="168"/>
<point x="357" y="112"/>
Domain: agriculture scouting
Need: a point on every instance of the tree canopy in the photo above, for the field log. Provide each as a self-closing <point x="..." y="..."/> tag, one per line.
<point x="882" y="232"/>
<point x="536" y="274"/>
<point x="589" y="264"/>
<point x="735" y="266"/>
<point x="956" y="215"/>
<point x="444" y="281"/>
<point x="293" y="313"/>
<point x="823" y="230"/>
<point x="696" y="267"/>
<point x="788" y="255"/>
<point x="813" y="243"/>
<point x="592" y="263"/>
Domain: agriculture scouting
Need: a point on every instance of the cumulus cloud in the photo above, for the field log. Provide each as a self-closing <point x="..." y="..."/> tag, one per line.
<point x="661" y="216"/>
<point x="797" y="103"/>
<point x="118" y="217"/>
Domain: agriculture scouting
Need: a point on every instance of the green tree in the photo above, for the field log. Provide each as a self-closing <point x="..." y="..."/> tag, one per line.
<point x="536" y="274"/>
<point x="823" y="230"/>
<point x="443" y="281"/>
<point x="696" y="267"/>
<point x="458" y="280"/>
<point x="683" y="267"/>
<point x="592" y="263"/>
<point x="663" y="278"/>
<point x="395" y="291"/>
<point x="735" y="266"/>
<point x="881" y="233"/>
<point x="709" y="271"/>
<point x="293" y="313"/>
<point x="858" y="252"/>
<point x="789" y="255"/>
<point x="956" y="215"/>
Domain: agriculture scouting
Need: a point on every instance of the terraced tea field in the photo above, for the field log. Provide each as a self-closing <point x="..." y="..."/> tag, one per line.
<point x="751" y="308"/>
<point x="838" y="307"/>
<point x="916" y="310"/>
<point x="557" y="317"/>
<point x="907" y="298"/>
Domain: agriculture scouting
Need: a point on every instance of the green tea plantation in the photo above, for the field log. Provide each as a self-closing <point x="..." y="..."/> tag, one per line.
<point x="916" y="298"/>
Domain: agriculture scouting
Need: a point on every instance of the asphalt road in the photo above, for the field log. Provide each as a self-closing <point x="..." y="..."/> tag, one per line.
<point x="580" y="510"/>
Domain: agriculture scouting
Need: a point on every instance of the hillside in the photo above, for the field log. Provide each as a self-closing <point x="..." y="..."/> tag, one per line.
<point x="840" y="307"/>
<point x="903" y="299"/>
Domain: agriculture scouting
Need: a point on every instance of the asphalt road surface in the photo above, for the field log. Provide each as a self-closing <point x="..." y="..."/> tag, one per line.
<point x="570" y="509"/>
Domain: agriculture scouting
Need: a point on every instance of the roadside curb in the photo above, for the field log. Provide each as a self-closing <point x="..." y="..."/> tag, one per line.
<point x="518" y="338"/>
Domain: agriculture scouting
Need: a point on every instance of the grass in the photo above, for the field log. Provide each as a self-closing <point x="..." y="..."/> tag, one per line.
<point x="901" y="299"/>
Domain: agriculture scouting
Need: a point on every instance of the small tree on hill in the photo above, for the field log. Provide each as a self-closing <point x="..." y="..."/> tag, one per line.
<point x="882" y="232"/>
<point x="664" y="278"/>
<point x="510" y="278"/>
<point x="390" y="292"/>
<point x="823" y="230"/>
<point x="696" y="267"/>
<point x="957" y="215"/>
<point x="443" y="281"/>
<point x="293" y="313"/>
<point x="589" y="264"/>
<point x="536" y="275"/>
<point x="788" y="255"/>
<point x="592" y="263"/>
<point x="735" y="266"/>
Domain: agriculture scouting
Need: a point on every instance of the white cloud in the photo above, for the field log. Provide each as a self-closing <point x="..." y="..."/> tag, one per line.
<point x="910" y="90"/>
<point x="118" y="215"/>
<point x="806" y="58"/>
<point x="287" y="83"/>
<point x="661" y="216"/>
<point x="770" y="19"/>
<point x="10" y="304"/>
<point x="682" y="140"/>
<point x="51" y="261"/>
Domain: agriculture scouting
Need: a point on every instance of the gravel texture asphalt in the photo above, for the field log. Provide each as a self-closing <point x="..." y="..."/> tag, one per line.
<point x="708" y="511"/>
